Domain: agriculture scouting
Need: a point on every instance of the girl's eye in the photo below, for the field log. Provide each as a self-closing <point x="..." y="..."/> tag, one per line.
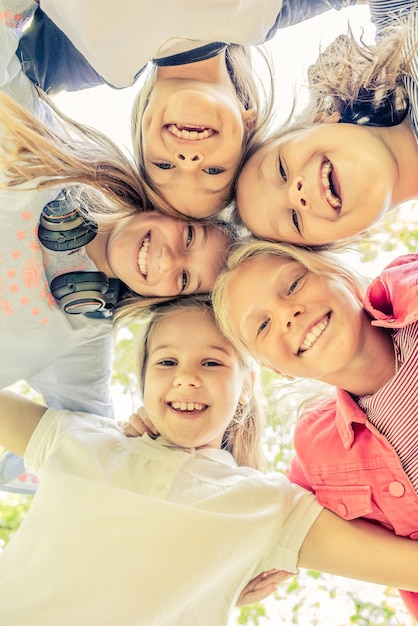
<point x="184" y="280"/>
<point x="212" y="364"/>
<point x="167" y="362"/>
<point x="262" y="326"/>
<point x="164" y="166"/>
<point x="189" y="235"/>
<point x="295" y="220"/>
<point x="293" y="287"/>
<point x="282" y="170"/>
<point x="213" y="171"/>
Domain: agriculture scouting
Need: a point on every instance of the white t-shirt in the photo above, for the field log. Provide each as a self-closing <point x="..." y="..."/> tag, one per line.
<point x="66" y="358"/>
<point x="119" y="39"/>
<point x="139" y="532"/>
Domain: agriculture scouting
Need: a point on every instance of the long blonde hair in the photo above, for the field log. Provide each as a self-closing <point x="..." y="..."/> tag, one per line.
<point x="242" y="438"/>
<point x="239" y="60"/>
<point x="60" y="151"/>
<point x="320" y="263"/>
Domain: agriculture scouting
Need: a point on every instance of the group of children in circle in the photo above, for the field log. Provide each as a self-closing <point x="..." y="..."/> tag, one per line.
<point x="282" y="297"/>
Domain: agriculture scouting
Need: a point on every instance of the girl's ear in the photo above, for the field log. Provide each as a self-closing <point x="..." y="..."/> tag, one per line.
<point x="250" y="119"/>
<point x="247" y="389"/>
<point x="327" y="118"/>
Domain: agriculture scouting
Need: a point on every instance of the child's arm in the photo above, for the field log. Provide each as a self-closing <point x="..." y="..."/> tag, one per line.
<point x="18" y="419"/>
<point x="360" y="550"/>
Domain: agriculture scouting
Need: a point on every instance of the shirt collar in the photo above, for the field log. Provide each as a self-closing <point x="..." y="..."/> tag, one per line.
<point x="212" y="454"/>
<point x="347" y="412"/>
<point x="191" y="52"/>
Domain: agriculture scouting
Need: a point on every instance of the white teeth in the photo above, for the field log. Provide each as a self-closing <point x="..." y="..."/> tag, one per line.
<point x="187" y="406"/>
<point x="326" y="170"/>
<point x="192" y="132"/>
<point x="314" y="334"/>
<point x="143" y="257"/>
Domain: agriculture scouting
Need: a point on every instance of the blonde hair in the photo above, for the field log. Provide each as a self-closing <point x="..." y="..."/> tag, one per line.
<point x="361" y="82"/>
<point x="100" y="180"/>
<point x="242" y="438"/>
<point x="248" y="89"/>
<point x="320" y="263"/>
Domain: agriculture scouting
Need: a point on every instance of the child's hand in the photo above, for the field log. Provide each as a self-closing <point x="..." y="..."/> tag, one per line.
<point x="262" y="586"/>
<point x="139" y="423"/>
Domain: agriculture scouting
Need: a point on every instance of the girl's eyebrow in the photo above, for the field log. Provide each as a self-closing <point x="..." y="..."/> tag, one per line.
<point x="250" y="319"/>
<point x="220" y="349"/>
<point x="203" y="231"/>
<point x="168" y="346"/>
<point x="164" y="346"/>
<point x="204" y="190"/>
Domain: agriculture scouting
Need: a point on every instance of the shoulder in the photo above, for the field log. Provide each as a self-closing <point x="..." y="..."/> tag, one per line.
<point x="392" y="297"/>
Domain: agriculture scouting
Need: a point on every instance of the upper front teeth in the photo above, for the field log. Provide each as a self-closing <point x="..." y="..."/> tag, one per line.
<point x="313" y="335"/>
<point x="188" y="406"/>
<point x="195" y="133"/>
<point x="325" y="174"/>
<point x="143" y="257"/>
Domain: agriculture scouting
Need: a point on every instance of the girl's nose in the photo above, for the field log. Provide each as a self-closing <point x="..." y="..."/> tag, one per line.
<point x="299" y="194"/>
<point x="188" y="160"/>
<point x="166" y="260"/>
<point x="186" y="378"/>
<point x="289" y="316"/>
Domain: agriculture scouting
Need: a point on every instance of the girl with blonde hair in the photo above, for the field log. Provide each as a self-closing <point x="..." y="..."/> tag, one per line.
<point x="302" y="314"/>
<point x="203" y="99"/>
<point x="352" y="155"/>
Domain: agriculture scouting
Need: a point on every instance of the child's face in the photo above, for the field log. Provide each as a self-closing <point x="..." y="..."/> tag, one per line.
<point x="193" y="380"/>
<point x="319" y="185"/>
<point x="293" y="321"/>
<point x="192" y="136"/>
<point x="158" y="255"/>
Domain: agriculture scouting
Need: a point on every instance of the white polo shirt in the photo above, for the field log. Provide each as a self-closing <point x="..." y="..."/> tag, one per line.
<point x="119" y="39"/>
<point x="139" y="532"/>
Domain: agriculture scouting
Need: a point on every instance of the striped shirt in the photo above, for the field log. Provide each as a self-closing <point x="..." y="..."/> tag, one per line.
<point x="393" y="410"/>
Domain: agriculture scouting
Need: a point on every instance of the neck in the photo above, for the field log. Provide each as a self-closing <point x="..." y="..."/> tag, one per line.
<point x="96" y="251"/>
<point x="402" y="142"/>
<point x="371" y="368"/>
<point x="213" y="70"/>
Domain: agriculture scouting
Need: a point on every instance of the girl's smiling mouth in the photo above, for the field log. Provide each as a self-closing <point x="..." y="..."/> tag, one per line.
<point x="187" y="408"/>
<point x="190" y="131"/>
<point x="331" y="185"/>
<point x="143" y="256"/>
<point x="314" y="334"/>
